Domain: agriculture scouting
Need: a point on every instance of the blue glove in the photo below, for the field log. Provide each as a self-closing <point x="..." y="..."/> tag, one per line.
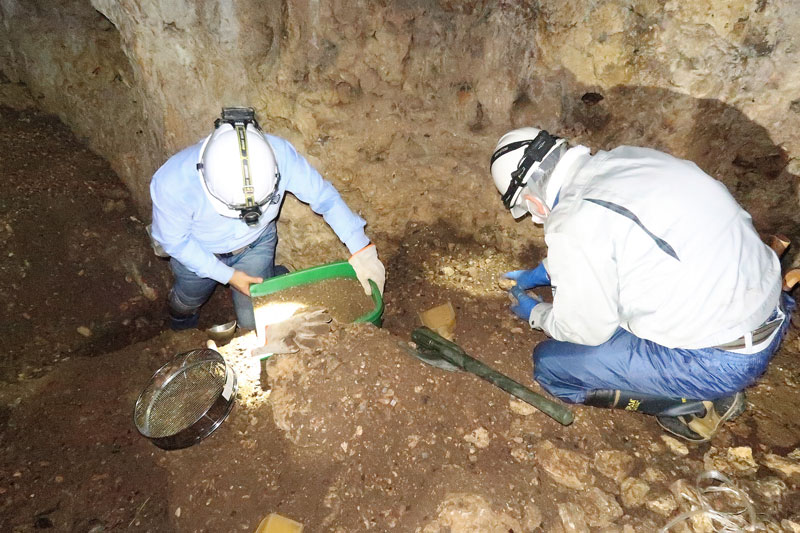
<point x="528" y="279"/>
<point x="524" y="304"/>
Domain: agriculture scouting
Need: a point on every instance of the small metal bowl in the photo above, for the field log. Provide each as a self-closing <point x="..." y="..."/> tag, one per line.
<point x="222" y="333"/>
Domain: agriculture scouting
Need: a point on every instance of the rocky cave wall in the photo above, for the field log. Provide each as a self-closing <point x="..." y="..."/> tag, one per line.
<point x="400" y="103"/>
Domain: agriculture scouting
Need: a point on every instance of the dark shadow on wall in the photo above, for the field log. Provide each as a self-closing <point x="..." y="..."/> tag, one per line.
<point x="722" y="140"/>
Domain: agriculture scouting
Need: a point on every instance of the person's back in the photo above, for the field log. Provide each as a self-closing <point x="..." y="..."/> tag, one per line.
<point x="665" y="299"/>
<point x="691" y="270"/>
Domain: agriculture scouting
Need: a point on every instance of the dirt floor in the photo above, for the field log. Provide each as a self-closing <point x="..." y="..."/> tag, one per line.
<point x="356" y="436"/>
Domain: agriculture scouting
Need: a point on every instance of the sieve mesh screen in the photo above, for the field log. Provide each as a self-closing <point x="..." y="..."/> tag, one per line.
<point x="183" y="400"/>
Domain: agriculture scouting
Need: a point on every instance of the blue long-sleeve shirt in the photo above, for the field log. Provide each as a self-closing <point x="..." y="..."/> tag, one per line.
<point x="191" y="231"/>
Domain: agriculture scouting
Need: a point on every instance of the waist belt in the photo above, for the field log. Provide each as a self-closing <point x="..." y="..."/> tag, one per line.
<point x="760" y="334"/>
<point x="235" y="252"/>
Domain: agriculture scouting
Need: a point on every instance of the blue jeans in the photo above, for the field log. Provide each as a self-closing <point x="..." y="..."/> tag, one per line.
<point x="190" y="291"/>
<point x="626" y="362"/>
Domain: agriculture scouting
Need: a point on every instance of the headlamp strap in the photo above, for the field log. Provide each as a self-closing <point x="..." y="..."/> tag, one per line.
<point x="510" y="147"/>
<point x="536" y="151"/>
<point x="247" y="184"/>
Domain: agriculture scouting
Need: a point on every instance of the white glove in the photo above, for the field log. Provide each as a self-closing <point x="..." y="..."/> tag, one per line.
<point x="368" y="267"/>
<point x="298" y="332"/>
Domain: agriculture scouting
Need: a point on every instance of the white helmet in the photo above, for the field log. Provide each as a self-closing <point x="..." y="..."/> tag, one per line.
<point x="522" y="161"/>
<point x="238" y="170"/>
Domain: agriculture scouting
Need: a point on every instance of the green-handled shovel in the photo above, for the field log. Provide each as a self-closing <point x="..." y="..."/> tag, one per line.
<point x="435" y="350"/>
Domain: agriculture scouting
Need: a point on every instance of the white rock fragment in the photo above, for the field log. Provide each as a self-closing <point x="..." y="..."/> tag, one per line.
<point x="479" y="437"/>
<point x="86" y="332"/>
<point x="701" y="523"/>
<point x="730" y="460"/>
<point x="614" y="464"/>
<point x="520" y="454"/>
<point x="566" y="467"/>
<point x="573" y="518"/>
<point x="633" y="492"/>
<point x="600" y="508"/>
<point x="782" y="465"/>
<point x="506" y="284"/>
<point x="675" y="446"/>
<point x="663" y="504"/>
<point x="461" y="512"/>
<point x="653" y="475"/>
<point x="791" y="526"/>
<point x="740" y="460"/>
<point x="521" y="408"/>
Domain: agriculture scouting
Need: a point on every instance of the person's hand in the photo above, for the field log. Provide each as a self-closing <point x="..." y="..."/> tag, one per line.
<point x="241" y="281"/>
<point x="368" y="267"/>
<point x="521" y="303"/>
<point x="298" y="332"/>
<point x="528" y="279"/>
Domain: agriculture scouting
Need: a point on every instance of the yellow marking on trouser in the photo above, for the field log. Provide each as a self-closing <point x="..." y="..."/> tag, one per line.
<point x="633" y="405"/>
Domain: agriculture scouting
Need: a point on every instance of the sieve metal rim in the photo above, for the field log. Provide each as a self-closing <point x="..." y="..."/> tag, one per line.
<point x="157" y="389"/>
<point x="219" y="408"/>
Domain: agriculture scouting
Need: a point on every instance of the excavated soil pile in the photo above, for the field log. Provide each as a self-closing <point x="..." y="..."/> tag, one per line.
<point x="361" y="436"/>
<point x="357" y="436"/>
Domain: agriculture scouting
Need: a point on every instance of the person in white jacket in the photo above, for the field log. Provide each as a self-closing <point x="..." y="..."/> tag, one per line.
<point x="665" y="299"/>
<point x="215" y="207"/>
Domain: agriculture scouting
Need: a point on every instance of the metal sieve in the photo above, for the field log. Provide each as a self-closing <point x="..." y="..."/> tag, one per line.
<point x="186" y="399"/>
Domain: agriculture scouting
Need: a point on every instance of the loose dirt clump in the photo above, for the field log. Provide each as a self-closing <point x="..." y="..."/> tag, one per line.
<point x="343" y="298"/>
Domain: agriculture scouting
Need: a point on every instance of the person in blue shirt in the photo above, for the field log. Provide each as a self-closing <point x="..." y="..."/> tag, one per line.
<point x="215" y="207"/>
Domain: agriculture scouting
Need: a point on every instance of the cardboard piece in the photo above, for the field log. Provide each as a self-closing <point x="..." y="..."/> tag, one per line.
<point x="275" y="523"/>
<point x="441" y="319"/>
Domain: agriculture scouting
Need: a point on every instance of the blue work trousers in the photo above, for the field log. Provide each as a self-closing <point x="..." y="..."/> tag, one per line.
<point x="190" y="291"/>
<point x="626" y="362"/>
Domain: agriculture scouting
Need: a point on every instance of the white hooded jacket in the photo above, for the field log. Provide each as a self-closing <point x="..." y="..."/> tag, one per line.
<point x="650" y="243"/>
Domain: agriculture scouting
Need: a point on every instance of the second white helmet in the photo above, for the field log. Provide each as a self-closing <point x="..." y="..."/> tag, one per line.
<point x="238" y="172"/>
<point x="516" y="164"/>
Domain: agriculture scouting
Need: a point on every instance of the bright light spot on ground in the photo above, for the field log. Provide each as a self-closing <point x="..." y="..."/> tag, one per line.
<point x="250" y="368"/>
